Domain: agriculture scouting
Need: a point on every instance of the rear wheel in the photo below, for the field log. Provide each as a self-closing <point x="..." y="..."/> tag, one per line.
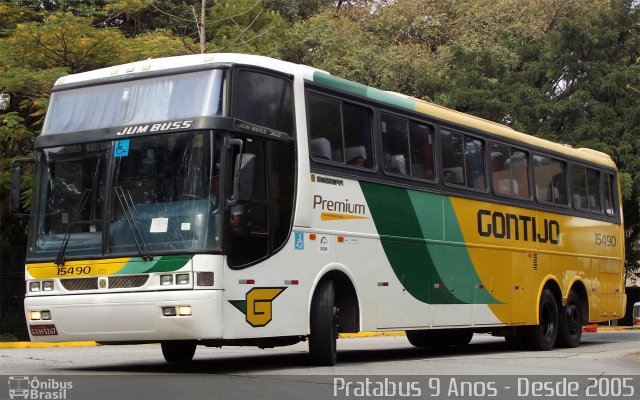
<point x="543" y="336"/>
<point x="323" y="325"/>
<point x="178" y="351"/>
<point x="570" y="326"/>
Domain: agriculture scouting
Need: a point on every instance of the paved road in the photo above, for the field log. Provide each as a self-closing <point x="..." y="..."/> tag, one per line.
<point x="137" y="372"/>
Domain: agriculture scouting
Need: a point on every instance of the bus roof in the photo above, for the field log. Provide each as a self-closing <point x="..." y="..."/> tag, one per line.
<point x="323" y="78"/>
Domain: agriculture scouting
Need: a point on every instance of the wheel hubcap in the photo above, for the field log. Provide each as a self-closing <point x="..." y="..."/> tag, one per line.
<point x="573" y="319"/>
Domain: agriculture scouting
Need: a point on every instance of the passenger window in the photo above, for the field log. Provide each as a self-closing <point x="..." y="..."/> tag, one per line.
<point x="407" y="147"/>
<point x="609" y="199"/>
<point x="463" y="161"/>
<point x="395" y="144"/>
<point x="510" y="171"/>
<point x="550" y="180"/>
<point x="585" y="186"/>
<point x="357" y="136"/>
<point x="421" y="147"/>
<point x="325" y="128"/>
<point x="339" y="131"/>
<point x="263" y="100"/>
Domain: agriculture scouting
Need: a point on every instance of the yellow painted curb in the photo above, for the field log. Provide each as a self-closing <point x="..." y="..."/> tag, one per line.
<point x="370" y="334"/>
<point x="37" y="345"/>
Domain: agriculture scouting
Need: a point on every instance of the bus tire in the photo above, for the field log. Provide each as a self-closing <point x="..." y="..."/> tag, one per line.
<point x="323" y="325"/>
<point x="178" y="351"/>
<point x="570" y="326"/>
<point x="543" y="336"/>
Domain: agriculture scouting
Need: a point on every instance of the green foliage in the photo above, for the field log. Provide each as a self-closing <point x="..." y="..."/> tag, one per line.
<point x="243" y="26"/>
<point x="295" y="10"/>
<point x="63" y="40"/>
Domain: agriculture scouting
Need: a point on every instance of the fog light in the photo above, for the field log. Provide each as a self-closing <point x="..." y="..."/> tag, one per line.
<point x="166" y="280"/>
<point x="47" y="286"/>
<point x="204" y="278"/>
<point x="35" y="315"/>
<point x="182" y="279"/>
<point x="34" y="286"/>
<point x="45" y="315"/>
<point x="184" y="311"/>
<point x="169" y="311"/>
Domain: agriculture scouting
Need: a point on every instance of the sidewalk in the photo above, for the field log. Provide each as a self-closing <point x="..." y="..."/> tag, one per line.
<point x="32" y="345"/>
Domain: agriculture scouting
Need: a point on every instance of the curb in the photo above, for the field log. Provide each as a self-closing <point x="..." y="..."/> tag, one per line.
<point x="35" y="345"/>
<point x="38" y="345"/>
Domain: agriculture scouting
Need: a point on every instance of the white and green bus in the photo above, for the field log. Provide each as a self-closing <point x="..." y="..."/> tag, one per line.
<point x="230" y="199"/>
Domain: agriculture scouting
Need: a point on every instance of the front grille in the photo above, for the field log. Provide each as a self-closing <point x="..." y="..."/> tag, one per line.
<point x="80" y="283"/>
<point x="115" y="282"/>
<point x="130" y="281"/>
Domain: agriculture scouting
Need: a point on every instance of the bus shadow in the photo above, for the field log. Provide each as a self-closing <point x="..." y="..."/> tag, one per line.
<point x="298" y="361"/>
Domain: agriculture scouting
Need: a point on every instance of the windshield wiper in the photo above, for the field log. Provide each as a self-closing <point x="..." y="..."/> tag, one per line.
<point x="67" y="234"/>
<point x="85" y="196"/>
<point x="131" y="215"/>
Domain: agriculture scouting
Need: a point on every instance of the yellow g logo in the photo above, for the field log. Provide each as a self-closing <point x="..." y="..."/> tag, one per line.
<point x="257" y="305"/>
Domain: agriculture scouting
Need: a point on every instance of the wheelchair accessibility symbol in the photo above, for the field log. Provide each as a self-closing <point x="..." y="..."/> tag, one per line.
<point x="299" y="241"/>
<point x="121" y="148"/>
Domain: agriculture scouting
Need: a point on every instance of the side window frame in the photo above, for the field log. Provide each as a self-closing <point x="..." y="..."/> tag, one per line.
<point x="410" y="174"/>
<point x="610" y="179"/>
<point x="565" y="170"/>
<point x="233" y="82"/>
<point x="577" y="205"/>
<point x="528" y="173"/>
<point x="369" y="146"/>
<point x="465" y="137"/>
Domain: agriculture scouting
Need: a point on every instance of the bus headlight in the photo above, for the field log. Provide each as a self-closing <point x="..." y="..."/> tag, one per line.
<point x="166" y="280"/>
<point x="182" y="279"/>
<point x="184" y="311"/>
<point x="47" y="286"/>
<point x="45" y="315"/>
<point x="35" y="315"/>
<point x="34" y="286"/>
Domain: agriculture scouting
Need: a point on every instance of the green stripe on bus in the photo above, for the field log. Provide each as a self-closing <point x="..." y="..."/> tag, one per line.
<point x="412" y="232"/>
<point x="340" y="84"/>
<point x="364" y="91"/>
<point x="159" y="264"/>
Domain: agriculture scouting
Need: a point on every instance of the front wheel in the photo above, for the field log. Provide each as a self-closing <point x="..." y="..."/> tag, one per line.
<point x="543" y="336"/>
<point x="570" y="327"/>
<point x="323" y="325"/>
<point x="178" y="351"/>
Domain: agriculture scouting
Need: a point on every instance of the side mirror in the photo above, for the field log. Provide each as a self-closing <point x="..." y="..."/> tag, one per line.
<point x="16" y="185"/>
<point x="242" y="174"/>
<point x="244" y="180"/>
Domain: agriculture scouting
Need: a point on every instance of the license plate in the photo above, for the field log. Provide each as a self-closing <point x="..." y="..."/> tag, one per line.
<point x="43" y="330"/>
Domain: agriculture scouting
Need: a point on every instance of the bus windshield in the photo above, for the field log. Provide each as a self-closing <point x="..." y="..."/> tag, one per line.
<point x="135" y="102"/>
<point x="139" y="196"/>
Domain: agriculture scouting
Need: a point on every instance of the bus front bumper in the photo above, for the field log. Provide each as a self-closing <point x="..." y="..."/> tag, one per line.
<point x="126" y="317"/>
